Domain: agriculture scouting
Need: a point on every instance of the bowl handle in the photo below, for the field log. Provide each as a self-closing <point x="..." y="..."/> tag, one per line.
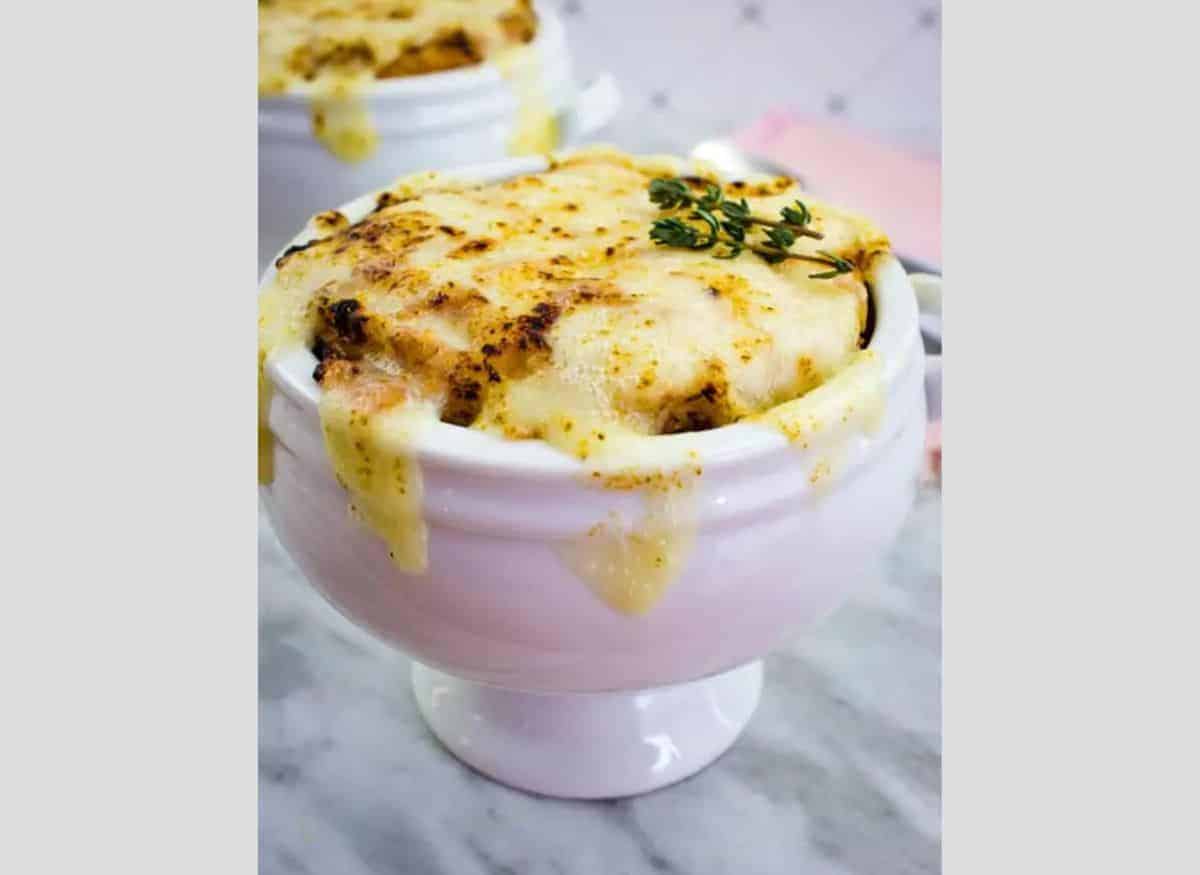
<point x="593" y="108"/>
<point x="929" y="303"/>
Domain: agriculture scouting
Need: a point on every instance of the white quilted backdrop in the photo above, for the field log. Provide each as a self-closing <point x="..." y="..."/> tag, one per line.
<point x="690" y="70"/>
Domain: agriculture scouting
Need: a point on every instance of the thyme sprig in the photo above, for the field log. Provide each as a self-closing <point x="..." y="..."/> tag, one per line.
<point x="727" y="222"/>
<point x="671" y="194"/>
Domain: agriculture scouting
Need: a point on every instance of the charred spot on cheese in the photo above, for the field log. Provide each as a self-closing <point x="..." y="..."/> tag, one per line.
<point x="293" y="249"/>
<point x="329" y="221"/>
<point x="471" y="247"/>
<point x="532" y="327"/>
<point x="707" y="405"/>
<point x="348" y="320"/>
<point x="516" y="307"/>
<point x="385" y="200"/>
<point x="469" y="381"/>
<point x="327" y="54"/>
<point x="446" y="50"/>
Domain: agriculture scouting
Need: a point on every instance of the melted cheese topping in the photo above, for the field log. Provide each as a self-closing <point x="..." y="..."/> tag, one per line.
<point x="630" y="564"/>
<point x="535" y="130"/>
<point x="334" y="50"/>
<point x="538" y="308"/>
<point x="303" y="42"/>
<point x="371" y="460"/>
<point x="341" y="122"/>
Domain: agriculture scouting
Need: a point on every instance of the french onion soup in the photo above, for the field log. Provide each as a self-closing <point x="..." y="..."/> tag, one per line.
<point x="333" y="50"/>
<point x="597" y="306"/>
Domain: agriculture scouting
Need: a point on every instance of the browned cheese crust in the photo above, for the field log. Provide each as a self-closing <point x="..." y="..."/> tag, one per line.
<point x="540" y="304"/>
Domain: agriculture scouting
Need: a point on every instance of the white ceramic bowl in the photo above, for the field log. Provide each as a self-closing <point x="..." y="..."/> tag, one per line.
<point x="521" y="670"/>
<point x="462" y="116"/>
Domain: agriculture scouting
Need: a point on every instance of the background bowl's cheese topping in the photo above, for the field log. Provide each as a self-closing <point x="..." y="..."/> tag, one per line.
<point x="334" y="49"/>
<point x="302" y="43"/>
<point x="539" y="308"/>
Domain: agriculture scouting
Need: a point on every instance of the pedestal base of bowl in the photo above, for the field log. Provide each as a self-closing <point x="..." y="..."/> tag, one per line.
<point x="588" y="745"/>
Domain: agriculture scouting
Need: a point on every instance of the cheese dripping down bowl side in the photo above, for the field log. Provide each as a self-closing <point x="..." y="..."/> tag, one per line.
<point x="519" y="667"/>
<point x="468" y="115"/>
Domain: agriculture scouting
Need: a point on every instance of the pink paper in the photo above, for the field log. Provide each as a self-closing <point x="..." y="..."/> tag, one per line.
<point x="901" y="192"/>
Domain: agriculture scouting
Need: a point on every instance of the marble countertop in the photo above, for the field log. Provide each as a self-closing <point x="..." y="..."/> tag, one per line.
<point x="838" y="772"/>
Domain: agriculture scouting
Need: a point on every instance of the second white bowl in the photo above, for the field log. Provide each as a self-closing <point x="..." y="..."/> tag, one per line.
<point x="457" y="117"/>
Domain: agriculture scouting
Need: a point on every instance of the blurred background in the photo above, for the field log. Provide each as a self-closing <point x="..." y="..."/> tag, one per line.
<point x="692" y="68"/>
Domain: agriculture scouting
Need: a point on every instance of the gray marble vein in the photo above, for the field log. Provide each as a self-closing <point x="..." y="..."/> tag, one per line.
<point x="838" y="772"/>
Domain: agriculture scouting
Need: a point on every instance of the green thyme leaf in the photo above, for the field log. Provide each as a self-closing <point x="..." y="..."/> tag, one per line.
<point x="798" y="215"/>
<point x="670" y="193"/>
<point x="714" y="227"/>
<point x="735" y="230"/>
<point x="673" y="232"/>
<point x="780" y="237"/>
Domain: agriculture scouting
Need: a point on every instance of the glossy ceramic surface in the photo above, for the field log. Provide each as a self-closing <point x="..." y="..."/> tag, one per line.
<point x="498" y="606"/>
<point x="634" y="741"/>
